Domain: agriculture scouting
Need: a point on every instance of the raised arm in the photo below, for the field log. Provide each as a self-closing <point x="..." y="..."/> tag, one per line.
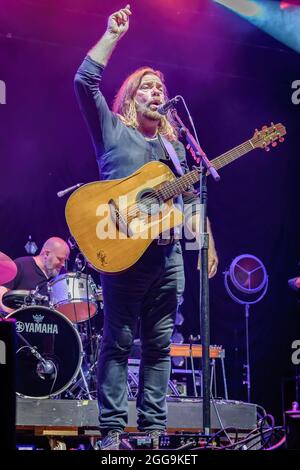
<point x="117" y="26"/>
<point x="100" y="120"/>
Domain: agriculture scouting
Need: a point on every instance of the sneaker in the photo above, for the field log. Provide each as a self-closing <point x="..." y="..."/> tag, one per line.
<point x="114" y="440"/>
<point x="111" y="441"/>
<point x="155" y="434"/>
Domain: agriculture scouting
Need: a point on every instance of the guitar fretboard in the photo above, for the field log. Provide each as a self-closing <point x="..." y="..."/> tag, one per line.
<point x="178" y="186"/>
<point x="232" y="154"/>
<point x="181" y="184"/>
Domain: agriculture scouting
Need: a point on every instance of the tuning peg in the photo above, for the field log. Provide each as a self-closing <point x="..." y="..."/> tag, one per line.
<point x="281" y="139"/>
<point x="267" y="149"/>
<point x="274" y="144"/>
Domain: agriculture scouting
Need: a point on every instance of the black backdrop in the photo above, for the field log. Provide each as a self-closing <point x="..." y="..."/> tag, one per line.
<point x="234" y="78"/>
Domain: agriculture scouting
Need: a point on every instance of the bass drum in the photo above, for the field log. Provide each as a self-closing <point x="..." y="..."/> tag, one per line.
<point x="48" y="352"/>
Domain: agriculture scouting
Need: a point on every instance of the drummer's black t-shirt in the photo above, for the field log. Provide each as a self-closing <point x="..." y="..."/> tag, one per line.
<point x="29" y="276"/>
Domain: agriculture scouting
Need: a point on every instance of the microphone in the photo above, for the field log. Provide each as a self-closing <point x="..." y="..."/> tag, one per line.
<point x="67" y="190"/>
<point x="164" y="108"/>
<point x="45" y="366"/>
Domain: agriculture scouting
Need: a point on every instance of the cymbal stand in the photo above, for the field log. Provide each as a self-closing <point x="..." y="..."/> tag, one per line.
<point x="85" y="377"/>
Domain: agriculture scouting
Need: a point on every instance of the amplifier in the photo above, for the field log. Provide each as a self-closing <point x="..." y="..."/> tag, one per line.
<point x="185" y="350"/>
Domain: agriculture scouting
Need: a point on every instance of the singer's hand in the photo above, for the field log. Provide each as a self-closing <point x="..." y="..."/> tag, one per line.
<point x="213" y="262"/>
<point x="118" y="22"/>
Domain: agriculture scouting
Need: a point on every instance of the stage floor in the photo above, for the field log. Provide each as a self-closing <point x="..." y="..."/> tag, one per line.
<point x="184" y="414"/>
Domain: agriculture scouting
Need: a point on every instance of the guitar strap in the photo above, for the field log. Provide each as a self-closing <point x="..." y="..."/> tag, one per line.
<point x="172" y="154"/>
<point x="169" y="149"/>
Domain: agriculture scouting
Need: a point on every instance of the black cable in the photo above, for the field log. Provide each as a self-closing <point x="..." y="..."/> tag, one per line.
<point x="264" y="421"/>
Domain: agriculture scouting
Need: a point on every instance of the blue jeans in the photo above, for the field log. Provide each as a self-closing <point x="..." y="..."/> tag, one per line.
<point x="150" y="291"/>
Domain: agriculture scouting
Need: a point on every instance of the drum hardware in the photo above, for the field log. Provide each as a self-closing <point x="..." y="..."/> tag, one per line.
<point x="80" y="263"/>
<point x="72" y="242"/>
<point x="86" y="383"/>
<point x="85" y="386"/>
<point x="37" y="298"/>
<point x="81" y="386"/>
<point x="18" y="298"/>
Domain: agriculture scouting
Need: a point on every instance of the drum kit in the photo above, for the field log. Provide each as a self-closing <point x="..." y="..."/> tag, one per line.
<point x="57" y="336"/>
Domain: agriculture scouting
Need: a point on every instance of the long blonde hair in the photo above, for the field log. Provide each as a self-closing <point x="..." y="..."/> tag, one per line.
<point x="124" y="105"/>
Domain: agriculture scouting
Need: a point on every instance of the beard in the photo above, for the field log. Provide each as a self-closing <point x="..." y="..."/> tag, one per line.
<point x="52" y="272"/>
<point x="151" y="114"/>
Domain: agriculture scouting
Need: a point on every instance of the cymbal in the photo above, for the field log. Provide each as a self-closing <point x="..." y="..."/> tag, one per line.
<point x="8" y="268"/>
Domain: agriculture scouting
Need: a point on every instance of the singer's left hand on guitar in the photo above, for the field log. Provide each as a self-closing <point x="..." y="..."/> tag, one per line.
<point x="213" y="262"/>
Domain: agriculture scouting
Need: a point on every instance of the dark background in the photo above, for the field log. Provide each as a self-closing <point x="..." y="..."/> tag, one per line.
<point x="234" y="78"/>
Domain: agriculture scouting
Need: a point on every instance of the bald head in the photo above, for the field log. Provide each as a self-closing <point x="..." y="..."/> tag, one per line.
<point x="56" y="244"/>
<point x="53" y="255"/>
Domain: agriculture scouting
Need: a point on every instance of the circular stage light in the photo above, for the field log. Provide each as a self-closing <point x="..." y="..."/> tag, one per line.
<point x="246" y="280"/>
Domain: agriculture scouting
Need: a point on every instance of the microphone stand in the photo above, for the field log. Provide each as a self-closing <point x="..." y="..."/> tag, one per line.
<point x="205" y="167"/>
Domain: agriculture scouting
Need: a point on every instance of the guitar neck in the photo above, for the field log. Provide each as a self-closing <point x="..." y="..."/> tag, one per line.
<point x="178" y="186"/>
<point x="181" y="184"/>
<point x="232" y="154"/>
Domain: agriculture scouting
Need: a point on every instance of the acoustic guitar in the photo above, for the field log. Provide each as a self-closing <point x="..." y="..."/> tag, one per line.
<point x="114" y="221"/>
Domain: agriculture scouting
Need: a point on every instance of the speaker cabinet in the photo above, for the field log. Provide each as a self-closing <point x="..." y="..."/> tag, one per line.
<point x="7" y="385"/>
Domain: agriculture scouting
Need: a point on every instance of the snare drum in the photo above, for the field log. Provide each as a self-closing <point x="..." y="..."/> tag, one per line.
<point x="19" y="298"/>
<point x="16" y="298"/>
<point x="74" y="295"/>
<point x="48" y="352"/>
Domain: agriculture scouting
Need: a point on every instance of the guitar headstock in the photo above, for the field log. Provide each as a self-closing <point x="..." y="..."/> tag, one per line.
<point x="268" y="136"/>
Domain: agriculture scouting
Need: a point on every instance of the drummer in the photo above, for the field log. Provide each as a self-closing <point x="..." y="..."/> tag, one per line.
<point x="34" y="272"/>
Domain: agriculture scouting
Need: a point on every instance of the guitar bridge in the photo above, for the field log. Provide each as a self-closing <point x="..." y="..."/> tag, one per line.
<point x="118" y="218"/>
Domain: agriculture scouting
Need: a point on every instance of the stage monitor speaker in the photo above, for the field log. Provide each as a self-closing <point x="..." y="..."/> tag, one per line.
<point x="7" y="388"/>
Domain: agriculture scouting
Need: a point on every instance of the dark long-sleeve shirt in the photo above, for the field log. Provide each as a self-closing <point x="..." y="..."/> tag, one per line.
<point x="120" y="149"/>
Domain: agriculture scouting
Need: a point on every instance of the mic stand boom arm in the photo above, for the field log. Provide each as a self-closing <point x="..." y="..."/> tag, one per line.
<point x="203" y="252"/>
<point x="183" y="130"/>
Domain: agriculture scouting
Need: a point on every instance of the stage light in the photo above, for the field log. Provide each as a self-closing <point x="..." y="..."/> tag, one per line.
<point x="30" y="247"/>
<point x="289" y="4"/>
<point x="246" y="282"/>
<point x="242" y="7"/>
<point x="278" y="19"/>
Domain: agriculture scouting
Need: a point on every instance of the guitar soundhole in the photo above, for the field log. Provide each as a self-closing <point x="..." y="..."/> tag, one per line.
<point x="148" y="202"/>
